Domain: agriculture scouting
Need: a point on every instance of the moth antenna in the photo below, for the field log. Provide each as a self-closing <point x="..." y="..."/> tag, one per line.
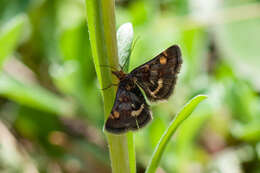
<point x="121" y="67"/>
<point x="125" y="63"/>
<point x="134" y="42"/>
<point x="131" y="50"/>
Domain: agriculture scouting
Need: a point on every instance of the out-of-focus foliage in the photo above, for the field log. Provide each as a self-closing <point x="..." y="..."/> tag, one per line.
<point x="51" y="113"/>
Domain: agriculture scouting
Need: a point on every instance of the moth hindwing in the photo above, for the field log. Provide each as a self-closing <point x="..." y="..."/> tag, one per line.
<point x="157" y="78"/>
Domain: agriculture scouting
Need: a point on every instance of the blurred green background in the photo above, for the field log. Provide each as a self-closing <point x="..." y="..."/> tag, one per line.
<point x="51" y="112"/>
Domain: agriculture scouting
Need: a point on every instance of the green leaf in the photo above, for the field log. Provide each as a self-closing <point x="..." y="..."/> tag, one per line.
<point x="125" y="35"/>
<point x="9" y="36"/>
<point x="33" y="96"/>
<point x="179" y="118"/>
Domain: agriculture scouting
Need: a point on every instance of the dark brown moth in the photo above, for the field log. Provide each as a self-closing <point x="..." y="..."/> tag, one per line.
<point x="156" y="78"/>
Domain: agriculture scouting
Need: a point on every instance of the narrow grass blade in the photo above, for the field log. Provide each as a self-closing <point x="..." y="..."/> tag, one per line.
<point x="180" y="117"/>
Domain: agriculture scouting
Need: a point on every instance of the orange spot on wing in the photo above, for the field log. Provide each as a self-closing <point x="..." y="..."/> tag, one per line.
<point x="116" y="114"/>
<point x="163" y="60"/>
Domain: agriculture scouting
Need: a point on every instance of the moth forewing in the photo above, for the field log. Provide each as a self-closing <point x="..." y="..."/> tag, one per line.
<point x="155" y="80"/>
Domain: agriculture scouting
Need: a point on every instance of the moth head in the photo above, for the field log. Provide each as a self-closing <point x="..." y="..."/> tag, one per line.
<point x="119" y="74"/>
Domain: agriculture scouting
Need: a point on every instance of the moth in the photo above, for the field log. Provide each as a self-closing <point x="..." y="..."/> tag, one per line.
<point x="156" y="78"/>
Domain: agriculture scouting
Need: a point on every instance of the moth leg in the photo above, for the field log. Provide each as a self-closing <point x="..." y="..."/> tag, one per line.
<point x="108" y="66"/>
<point x="137" y="125"/>
<point x="109" y="86"/>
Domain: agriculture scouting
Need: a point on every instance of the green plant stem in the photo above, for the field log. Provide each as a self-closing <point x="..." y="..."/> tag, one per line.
<point x="102" y="32"/>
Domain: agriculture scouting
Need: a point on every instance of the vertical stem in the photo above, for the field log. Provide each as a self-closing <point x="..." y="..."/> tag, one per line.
<point x="102" y="32"/>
